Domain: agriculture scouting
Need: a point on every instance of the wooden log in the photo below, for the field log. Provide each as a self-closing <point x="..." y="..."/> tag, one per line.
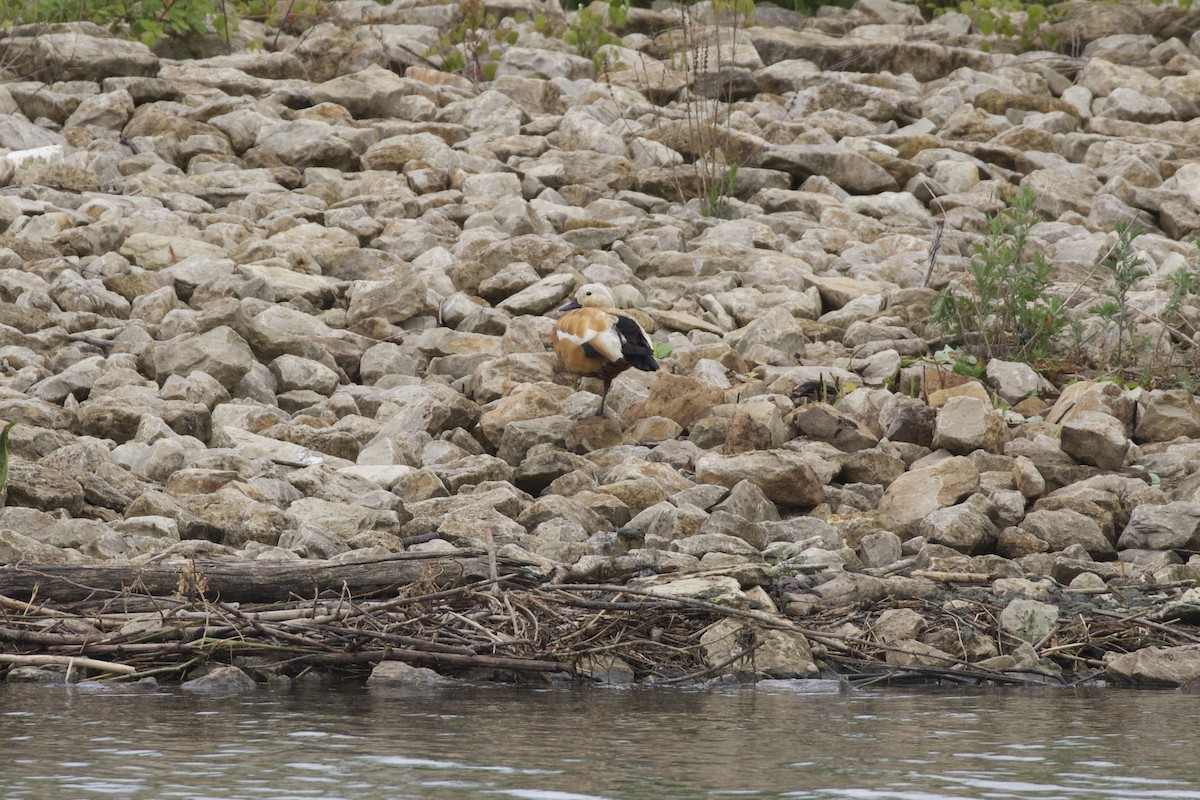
<point x="239" y="581"/>
<point x="67" y="661"/>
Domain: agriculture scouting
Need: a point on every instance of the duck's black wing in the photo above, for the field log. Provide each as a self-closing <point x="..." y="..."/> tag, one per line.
<point x="635" y="346"/>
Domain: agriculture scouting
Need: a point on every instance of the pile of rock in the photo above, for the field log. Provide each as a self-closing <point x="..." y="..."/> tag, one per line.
<point x="292" y="303"/>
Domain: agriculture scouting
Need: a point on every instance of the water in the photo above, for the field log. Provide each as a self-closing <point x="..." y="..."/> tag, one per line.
<point x="780" y="740"/>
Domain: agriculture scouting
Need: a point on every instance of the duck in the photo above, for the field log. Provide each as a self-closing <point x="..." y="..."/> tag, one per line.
<point x="594" y="340"/>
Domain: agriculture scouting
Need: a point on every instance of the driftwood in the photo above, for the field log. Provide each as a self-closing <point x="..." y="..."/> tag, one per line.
<point x="240" y="581"/>
<point x="474" y="615"/>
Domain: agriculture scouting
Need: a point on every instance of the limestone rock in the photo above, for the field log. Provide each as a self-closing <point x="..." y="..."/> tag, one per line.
<point x="965" y="527"/>
<point x="1167" y="415"/>
<point x="1170" y="666"/>
<point x="221" y="353"/>
<point x="825" y="423"/>
<point x="920" y="492"/>
<point x="1171" y="526"/>
<point x="71" y="56"/>
<point x="681" y="398"/>
<point x="221" y="680"/>
<point x="967" y="424"/>
<point x="1095" y="438"/>
<point x="783" y="475"/>
<point x="1030" y="620"/>
<point x="1060" y="529"/>
<point x="397" y="674"/>
<point x="777" y="653"/>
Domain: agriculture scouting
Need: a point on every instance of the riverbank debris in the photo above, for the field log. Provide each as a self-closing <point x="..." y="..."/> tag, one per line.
<point x="450" y="615"/>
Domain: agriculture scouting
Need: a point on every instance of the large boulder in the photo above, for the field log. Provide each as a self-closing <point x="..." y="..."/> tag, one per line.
<point x="220" y="352"/>
<point x="1161" y="666"/>
<point x="783" y="475"/>
<point x="1162" y="527"/>
<point x="967" y="424"/>
<point x="78" y="56"/>
<point x="1095" y="438"/>
<point x="918" y="493"/>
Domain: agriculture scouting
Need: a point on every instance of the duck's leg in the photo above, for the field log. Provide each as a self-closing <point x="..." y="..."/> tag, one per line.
<point x="603" y="396"/>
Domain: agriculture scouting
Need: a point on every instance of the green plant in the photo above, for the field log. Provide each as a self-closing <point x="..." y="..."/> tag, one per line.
<point x="587" y="32"/>
<point x="705" y="55"/>
<point x="149" y="21"/>
<point x="717" y="200"/>
<point x="467" y="47"/>
<point x="1007" y="313"/>
<point x="289" y="15"/>
<point x="960" y="363"/>
<point x="1019" y="20"/>
<point x="4" y="453"/>
<point x="1126" y="268"/>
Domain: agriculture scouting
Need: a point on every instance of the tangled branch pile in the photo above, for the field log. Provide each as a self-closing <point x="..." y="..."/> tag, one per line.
<point x="484" y="619"/>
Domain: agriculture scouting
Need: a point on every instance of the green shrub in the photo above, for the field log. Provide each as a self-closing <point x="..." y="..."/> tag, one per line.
<point x="1007" y="312"/>
<point x="4" y="453"/>
<point x="1126" y="268"/>
<point x="587" y="33"/>
<point x="468" y="46"/>
<point x="149" y="21"/>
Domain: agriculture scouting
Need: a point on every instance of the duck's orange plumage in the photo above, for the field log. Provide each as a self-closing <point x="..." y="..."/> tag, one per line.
<point x="594" y="340"/>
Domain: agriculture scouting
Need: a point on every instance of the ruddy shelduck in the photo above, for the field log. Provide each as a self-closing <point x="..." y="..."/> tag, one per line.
<point x="594" y="340"/>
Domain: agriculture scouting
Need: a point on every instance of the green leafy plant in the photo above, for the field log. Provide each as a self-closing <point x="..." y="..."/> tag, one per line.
<point x="4" y="452"/>
<point x="149" y="21"/>
<point x="467" y="48"/>
<point x="711" y="141"/>
<point x="1126" y="268"/>
<point x="1018" y="20"/>
<point x="283" y="15"/>
<point x="587" y="33"/>
<point x="1006" y="313"/>
<point x="959" y="362"/>
<point x="663" y="350"/>
<point x="717" y="200"/>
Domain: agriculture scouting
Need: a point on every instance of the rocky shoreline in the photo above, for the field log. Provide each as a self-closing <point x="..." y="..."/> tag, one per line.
<point x="293" y="303"/>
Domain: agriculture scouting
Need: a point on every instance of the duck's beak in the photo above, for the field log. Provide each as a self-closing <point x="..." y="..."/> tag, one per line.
<point x="571" y="306"/>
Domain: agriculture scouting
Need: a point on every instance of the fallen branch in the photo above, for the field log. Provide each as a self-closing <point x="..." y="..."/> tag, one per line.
<point x="67" y="661"/>
<point x="241" y="581"/>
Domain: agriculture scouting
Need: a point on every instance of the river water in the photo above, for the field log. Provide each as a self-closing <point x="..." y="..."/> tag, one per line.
<point x="779" y="739"/>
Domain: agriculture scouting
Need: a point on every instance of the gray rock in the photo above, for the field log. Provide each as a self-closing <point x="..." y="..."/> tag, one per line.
<point x="397" y="674"/>
<point x="785" y="477"/>
<point x="965" y="527"/>
<point x="1062" y="528"/>
<point x="879" y="549"/>
<point x="1169" y="666"/>
<point x="966" y="424"/>
<point x="1030" y="620"/>
<point x="304" y="143"/>
<point x="108" y="110"/>
<point x="71" y="56"/>
<point x="221" y="353"/>
<point x="779" y="654"/>
<point x="748" y="501"/>
<point x="825" y="423"/>
<point x="1092" y="437"/>
<point x="293" y="372"/>
<point x="221" y="680"/>
<point x="920" y="492"/>
<point x="1015" y="380"/>
<point x="343" y="520"/>
<point x="852" y="171"/>
<point x="897" y="625"/>
<point x="1166" y="527"/>
<point x="1167" y="415"/>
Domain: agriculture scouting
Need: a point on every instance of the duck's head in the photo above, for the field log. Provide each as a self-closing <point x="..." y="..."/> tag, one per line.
<point x="591" y="295"/>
